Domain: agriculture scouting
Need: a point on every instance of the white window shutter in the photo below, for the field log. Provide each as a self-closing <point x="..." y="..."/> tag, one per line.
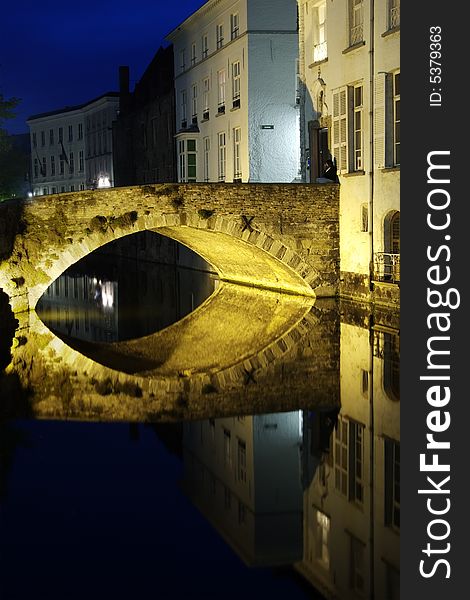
<point x="340" y="129"/>
<point x="379" y="121"/>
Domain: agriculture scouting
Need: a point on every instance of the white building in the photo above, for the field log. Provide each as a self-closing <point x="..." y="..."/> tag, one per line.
<point x="71" y="148"/>
<point x="349" y="63"/>
<point x="235" y="82"/>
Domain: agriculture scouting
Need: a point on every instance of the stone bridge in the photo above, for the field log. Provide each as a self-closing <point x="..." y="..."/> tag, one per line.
<point x="278" y="237"/>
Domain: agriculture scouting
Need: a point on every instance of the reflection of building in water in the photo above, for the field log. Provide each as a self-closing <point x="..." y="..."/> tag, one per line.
<point x="105" y="298"/>
<point x="244" y="475"/>
<point x="352" y="504"/>
<point x="83" y="307"/>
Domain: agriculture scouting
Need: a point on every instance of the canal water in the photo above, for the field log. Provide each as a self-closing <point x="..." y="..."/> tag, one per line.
<point x="289" y="490"/>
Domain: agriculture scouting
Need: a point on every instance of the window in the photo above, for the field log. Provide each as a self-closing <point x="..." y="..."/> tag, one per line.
<point x="349" y="459"/>
<point x="236" y="84"/>
<point x="237" y="167"/>
<point x="319" y="32"/>
<point x="36" y="167"/>
<point x="45" y="191"/>
<point x="206" y="98"/>
<point x="44" y="167"/>
<point x="193" y="54"/>
<point x="364" y="217"/>
<point x="81" y="162"/>
<point x="52" y="165"/>
<point x="82" y="186"/>
<point x="227" y="448"/>
<point x="182" y="60"/>
<point x="356" y="33"/>
<point x="51" y="137"/>
<point x="219" y="32"/>
<point x="347" y="124"/>
<point x="391" y="366"/>
<point x="222" y="155"/>
<point x="241" y="470"/>
<point x="357" y="565"/>
<point x="394" y="14"/>
<point x="43" y="138"/>
<point x="357" y="122"/>
<point x="70" y="133"/>
<point x="396" y="118"/>
<point x="221" y="95"/>
<point x="183" y="108"/>
<point x="234" y="25"/>
<point x="340" y="129"/>
<point x="61" y="134"/>
<point x="322" y="526"/>
<point x="53" y="190"/>
<point x="194" y="104"/>
<point x="71" y="163"/>
<point x="187" y="160"/>
<point x="392" y="483"/>
<point x="80" y="131"/>
<point x="35" y="142"/>
<point x="62" y="165"/>
<point x="207" y="149"/>
<point x="204" y="46"/>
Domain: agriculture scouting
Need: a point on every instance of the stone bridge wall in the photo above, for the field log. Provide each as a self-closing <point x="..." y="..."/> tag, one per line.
<point x="297" y="226"/>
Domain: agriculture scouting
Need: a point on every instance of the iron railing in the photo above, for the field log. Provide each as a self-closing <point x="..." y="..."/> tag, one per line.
<point x="387" y="267"/>
<point x="356" y="34"/>
<point x="320" y="52"/>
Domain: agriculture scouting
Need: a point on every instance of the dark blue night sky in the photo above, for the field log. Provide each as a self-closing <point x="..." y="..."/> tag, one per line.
<point x="55" y="53"/>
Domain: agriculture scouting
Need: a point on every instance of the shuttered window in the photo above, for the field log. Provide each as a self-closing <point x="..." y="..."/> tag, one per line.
<point x="340" y="129"/>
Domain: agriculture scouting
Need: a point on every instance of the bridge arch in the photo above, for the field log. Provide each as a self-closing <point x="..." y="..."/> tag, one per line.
<point x="278" y="237"/>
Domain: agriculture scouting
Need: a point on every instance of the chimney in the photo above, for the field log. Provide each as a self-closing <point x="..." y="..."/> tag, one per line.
<point x="124" y="95"/>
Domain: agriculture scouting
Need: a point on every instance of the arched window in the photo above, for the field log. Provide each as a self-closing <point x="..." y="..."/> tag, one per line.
<point x="392" y="233"/>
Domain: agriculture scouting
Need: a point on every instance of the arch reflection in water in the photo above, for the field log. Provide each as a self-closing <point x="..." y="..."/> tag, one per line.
<point x="106" y="298"/>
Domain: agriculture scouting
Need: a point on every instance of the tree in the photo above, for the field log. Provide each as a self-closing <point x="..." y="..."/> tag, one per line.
<point x="13" y="163"/>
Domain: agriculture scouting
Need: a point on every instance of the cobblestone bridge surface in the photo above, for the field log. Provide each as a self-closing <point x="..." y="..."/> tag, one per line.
<point x="273" y="236"/>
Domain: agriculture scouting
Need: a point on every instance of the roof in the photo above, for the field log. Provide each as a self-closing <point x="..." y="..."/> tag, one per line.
<point x="67" y="109"/>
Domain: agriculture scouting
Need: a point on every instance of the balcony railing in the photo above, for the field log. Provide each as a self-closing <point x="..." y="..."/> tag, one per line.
<point x="356" y="35"/>
<point x="387" y="267"/>
<point x="394" y="17"/>
<point x="320" y="52"/>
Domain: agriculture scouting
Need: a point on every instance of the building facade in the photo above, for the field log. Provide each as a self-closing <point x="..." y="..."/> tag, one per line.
<point x="71" y="148"/>
<point x="237" y="117"/>
<point x="143" y="134"/>
<point x="351" y="513"/>
<point x="349" y="68"/>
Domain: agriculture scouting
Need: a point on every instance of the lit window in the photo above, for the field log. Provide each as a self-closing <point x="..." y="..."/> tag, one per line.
<point x="322" y="538"/>
<point x="349" y="459"/>
<point x="319" y="32"/>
